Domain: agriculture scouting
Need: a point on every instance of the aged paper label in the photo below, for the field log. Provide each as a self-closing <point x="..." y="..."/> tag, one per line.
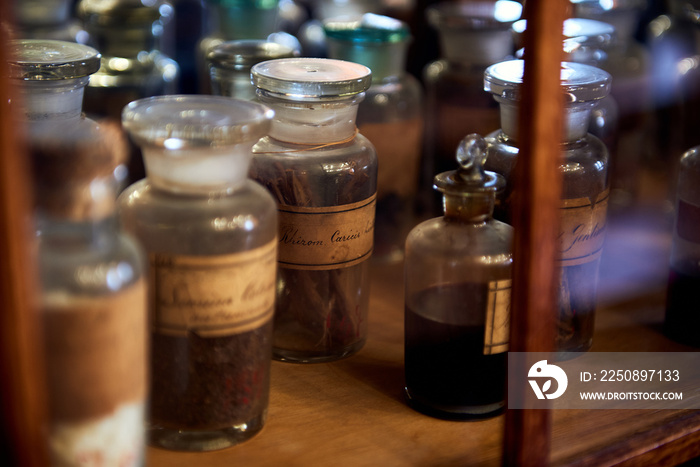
<point x="497" y="330"/>
<point x="582" y="229"/>
<point x="95" y="352"/>
<point x="213" y="295"/>
<point x="329" y="237"/>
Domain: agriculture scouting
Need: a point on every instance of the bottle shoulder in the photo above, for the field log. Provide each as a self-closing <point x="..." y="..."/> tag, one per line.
<point x="445" y="237"/>
<point x="248" y="196"/>
<point x="308" y="176"/>
<point x="199" y="225"/>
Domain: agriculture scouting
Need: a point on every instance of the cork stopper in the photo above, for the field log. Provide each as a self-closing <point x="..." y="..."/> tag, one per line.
<point x="75" y="169"/>
<point x="470" y="191"/>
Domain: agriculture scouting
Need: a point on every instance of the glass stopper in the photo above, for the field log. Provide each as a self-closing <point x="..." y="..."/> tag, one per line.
<point x="470" y="177"/>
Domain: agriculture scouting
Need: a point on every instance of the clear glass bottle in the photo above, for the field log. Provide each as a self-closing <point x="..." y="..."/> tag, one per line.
<point x="588" y="41"/>
<point x="585" y="191"/>
<point x="629" y="64"/>
<point x="129" y="34"/>
<point x="211" y="238"/>
<point x="458" y="282"/>
<point x="230" y="63"/>
<point x="46" y="19"/>
<point x="53" y="77"/>
<point x="682" y="301"/>
<point x="323" y="174"/>
<point x="472" y="35"/>
<point x="231" y="20"/>
<point x="390" y="116"/>
<point x="93" y="300"/>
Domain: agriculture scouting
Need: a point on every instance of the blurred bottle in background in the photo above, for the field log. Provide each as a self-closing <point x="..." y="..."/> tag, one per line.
<point x="629" y="63"/>
<point x="131" y="36"/>
<point x="473" y="35"/>
<point x="390" y="116"/>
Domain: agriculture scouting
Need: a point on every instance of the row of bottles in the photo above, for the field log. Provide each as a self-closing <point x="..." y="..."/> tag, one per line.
<point x="224" y="256"/>
<point x="229" y="259"/>
<point x="454" y="103"/>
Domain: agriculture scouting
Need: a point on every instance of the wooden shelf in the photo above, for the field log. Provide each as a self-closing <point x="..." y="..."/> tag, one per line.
<point x="352" y="412"/>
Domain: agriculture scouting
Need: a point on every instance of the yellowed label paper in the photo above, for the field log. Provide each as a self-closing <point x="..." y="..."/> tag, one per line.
<point x="95" y="351"/>
<point x="328" y="237"/>
<point x="213" y="295"/>
<point x="497" y="331"/>
<point x="582" y="231"/>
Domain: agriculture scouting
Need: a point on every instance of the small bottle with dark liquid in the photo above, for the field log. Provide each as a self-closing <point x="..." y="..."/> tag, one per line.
<point x="458" y="279"/>
<point x="683" y="301"/>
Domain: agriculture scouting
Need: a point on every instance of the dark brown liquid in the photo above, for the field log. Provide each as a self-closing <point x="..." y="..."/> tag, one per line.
<point x="447" y="373"/>
<point x="682" y="322"/>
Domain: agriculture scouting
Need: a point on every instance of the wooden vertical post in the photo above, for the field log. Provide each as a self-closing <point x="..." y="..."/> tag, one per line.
<point x="23" y="412"/>
<point x="537" y="183"/>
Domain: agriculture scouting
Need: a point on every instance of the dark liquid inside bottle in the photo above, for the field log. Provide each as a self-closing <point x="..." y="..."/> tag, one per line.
<point x="447" y="373"/>
<point x="683" y="308"/>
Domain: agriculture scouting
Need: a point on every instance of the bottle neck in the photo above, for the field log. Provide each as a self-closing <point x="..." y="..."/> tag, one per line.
<point x="312" y="122"/>
<point x="474" y="46"/>
<point x="198" y="171"/>
<point x="475" y="209"/>
<point x="386" y="60"/>
<point x="53" y="99"/>
<point x="575" y="116"/>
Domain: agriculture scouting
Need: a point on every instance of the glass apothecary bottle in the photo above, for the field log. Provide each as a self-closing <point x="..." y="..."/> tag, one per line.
<point x="390" y="116"/>
<point x="585" y="191"/>
<point x="682" y="301"/>
<point x="93" y="300"/>
<point x="323" y="174"/>
<point x="211" y="238"/>
<point x="588" y="41"/>
<point x="629" y="64"/>
<point x="130" y="36"/>
<point x="53" y="77"/>
<point x="472" y="36"/>
<point x="233" y="20"/>
<point x="46" y="19"/>
<point x="230" y="62"/>
<point x="457" y="286"/>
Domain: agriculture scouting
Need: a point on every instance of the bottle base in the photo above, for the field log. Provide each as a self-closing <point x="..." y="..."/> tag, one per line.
<point x="204" y="440"/>
<point x="296" y="356"/>
<point x="453" y="412"/>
